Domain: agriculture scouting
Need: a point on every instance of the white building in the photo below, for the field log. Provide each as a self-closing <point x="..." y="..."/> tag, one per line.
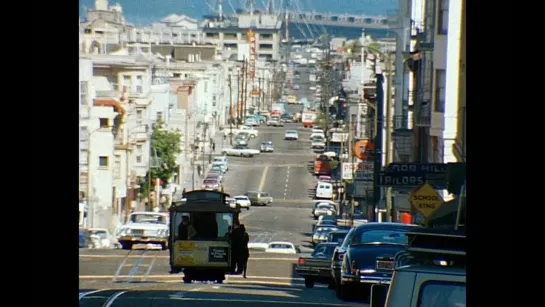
<point x="96" y="150"/>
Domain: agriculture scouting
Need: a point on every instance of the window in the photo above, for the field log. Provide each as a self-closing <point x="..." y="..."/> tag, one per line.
<point x="139" y="89"/>
<point x="139" y="115"/>
<point x="159" y="116"/>
<point x="83" y="133"/>
<point x="380" y="236"/>
<point x="138" y="159"/>
<point x="103" y="161"/>
<point x="440" y="293"/>
<point x="442" y="20"/>
<point x="139" y="148"/>
<point x="104" y="122"/>
<point x="206" y="86"/>
<point x="83" y="90"/>
<point x="440" y="83"/>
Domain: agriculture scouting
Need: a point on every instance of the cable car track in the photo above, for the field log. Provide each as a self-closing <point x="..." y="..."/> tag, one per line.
<point x="145" y="260"/>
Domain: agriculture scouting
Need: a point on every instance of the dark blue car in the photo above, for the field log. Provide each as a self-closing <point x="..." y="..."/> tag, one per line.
<point x="369" y="257"/>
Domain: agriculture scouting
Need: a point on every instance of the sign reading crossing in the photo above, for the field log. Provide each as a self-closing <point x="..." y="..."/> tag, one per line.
<point x="426" y="200"/>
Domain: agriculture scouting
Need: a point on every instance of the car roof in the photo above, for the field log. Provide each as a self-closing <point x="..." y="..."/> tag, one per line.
<point x="385" y="225"/>
<point x="240" y="196"/>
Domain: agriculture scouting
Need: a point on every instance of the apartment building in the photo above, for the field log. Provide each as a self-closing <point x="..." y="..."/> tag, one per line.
<point x="96" y="150"/>
<point x="230" y="35"/>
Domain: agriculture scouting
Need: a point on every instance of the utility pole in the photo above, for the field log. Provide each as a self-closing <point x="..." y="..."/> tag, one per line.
<point x="378" y="142"/>
<point x="244" y="88"/>
<point x="230" y="110"/>
<point x="389" y="130"/>
<point x="239" y="97"/>
<point x="352" y="159"/>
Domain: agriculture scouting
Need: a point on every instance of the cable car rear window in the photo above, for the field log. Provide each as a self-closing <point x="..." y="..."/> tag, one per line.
<point x="202" y="195"/>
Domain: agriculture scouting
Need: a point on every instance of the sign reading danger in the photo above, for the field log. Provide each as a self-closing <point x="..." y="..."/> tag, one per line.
<point x="363" y="149"/>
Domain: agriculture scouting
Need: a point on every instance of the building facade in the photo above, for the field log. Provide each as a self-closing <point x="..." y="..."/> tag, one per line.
<point x="229" y="35"/>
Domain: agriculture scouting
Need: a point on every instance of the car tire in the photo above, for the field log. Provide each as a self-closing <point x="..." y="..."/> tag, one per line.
<point x="164" y="246"/>
<point x="247" y="208"/>
<point x="309" y="283"/>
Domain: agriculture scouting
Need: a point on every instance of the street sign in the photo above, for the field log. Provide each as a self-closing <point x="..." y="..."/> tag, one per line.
<point x="413" y="175"/>
<point x="362" y="149"/>
<point x="363" y="171"/>
<point x="426" y="200"/>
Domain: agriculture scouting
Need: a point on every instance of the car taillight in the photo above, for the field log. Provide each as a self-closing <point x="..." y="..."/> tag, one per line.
<point x="354" y="267"/>
<point x="301" y="261"/>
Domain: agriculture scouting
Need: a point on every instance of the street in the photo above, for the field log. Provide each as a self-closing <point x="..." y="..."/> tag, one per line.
<point x="140" y="277"/>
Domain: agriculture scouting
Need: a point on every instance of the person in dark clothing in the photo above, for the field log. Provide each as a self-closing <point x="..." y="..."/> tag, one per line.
<point x="186" y="230"/>
<point x="237" y="237"/>
<point x="245" y="251"/>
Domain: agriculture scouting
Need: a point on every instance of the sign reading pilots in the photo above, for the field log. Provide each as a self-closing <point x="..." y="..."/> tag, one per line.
<point x="426" y="200"/>
<point x="413" y="174"/>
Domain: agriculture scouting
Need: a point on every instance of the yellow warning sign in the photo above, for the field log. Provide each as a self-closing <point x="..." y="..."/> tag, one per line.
<point x="426" y="200"/>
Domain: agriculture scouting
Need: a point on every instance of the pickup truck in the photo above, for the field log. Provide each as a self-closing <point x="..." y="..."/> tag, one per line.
<point x="240" y="151"/>
<point x="317" y="266"/>
<point x="234" y="131"/>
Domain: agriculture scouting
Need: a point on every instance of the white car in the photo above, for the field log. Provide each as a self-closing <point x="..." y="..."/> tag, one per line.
<point x="275" y="122"/>
<point x="240" y="151"/>
<point x="318" y="130"/>
<point x="234" y="131"/>
<point x="324" y="209"/>
<point x="318" y="143"/>
<point x="145" y="228"/>
<point x="243" y="201"/>
<point x="317" y="134"/>
<point x="281" y="248"/>
<point x="312" y="88"/>
<point x="291" y="135"/>
<point x="100" y="238"/>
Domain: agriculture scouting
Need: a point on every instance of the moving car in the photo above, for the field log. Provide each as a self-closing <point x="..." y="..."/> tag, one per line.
<point x="243" y="201"/>
<point x="240" y="151"/>
<point x="234" y="131"/>
<point x="318" y="143"/>
<point x="287" y="118"/>
<point x="323" y="209"/>
<point x="337" y="236"/>
<point x="211" y="183"/>
<point x="267" y="147"/>
<point x="324" y="190"/>
<point x="369" y="259"/>
<point x="317" y="266"/>
<point x="242" y="138"/>
<point x="281" y="248"/>
<point x="321" y="233"/>
<point x="275" y="121"/>
<point x="291" y="135"/>
<point x="258" y="198"/>
<point x="222" y="165"/>
<point x="145" y="227"/>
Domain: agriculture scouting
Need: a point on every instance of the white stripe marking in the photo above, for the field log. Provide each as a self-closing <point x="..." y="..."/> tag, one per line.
<point x="111" y="300"/>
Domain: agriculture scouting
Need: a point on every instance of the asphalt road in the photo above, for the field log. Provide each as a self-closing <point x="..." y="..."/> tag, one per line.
<point x="140" y="277"/>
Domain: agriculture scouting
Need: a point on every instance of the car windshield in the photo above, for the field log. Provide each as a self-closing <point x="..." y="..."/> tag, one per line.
<point x="211" y="181"/>
<point x="380" y="236"/>
<point x="291" y="132"/>
<point x="337" y="237"/>
<point x="325" y="207"/>
<point x="148" y="218"/>
<point x="241" y="147"/>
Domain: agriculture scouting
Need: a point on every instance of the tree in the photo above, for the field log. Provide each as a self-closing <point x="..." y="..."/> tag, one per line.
<point x="166" y="146"/>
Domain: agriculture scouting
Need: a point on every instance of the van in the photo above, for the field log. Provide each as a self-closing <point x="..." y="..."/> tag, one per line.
<point x="324" y="190"/>
<point x="259" y="198"/>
